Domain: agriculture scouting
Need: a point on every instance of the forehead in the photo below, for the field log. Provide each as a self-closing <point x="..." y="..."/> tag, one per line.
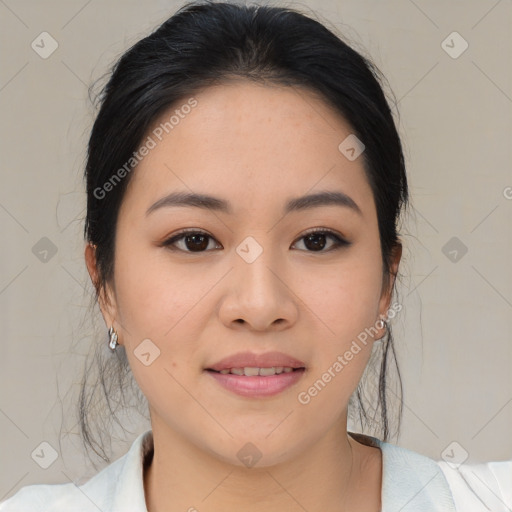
<point x="249" y="143"/>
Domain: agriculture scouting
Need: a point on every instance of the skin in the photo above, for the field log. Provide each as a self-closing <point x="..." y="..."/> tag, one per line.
<point x="255" y="146"/>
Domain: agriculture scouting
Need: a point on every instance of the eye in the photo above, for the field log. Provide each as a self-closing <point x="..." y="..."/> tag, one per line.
<point x="316" y="239"/>
<point x="197" y="241"/>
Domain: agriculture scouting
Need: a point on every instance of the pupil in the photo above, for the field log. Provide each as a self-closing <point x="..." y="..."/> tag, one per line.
<point x="196" y="238"/>
<point x="315" y="245"/>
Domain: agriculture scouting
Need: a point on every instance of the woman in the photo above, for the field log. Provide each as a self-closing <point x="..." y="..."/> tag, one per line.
<point x="245" y="180"/>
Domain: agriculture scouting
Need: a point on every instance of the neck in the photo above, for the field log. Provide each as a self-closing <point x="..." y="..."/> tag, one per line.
<point x="333" y="475"/>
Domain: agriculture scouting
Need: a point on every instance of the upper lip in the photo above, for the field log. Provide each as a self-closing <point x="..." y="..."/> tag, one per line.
<point x="251" y="360"/>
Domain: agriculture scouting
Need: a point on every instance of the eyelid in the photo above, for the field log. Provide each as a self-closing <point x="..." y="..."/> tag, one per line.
<point x="323" y="230"/>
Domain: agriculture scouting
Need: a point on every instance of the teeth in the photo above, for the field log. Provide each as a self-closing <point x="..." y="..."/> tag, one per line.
<point x="253" y="371"/>
<point x="265" y="371"/>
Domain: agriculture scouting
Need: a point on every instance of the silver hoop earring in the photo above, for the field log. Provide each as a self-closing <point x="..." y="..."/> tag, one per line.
<point x="385" y="325"/>
<point x="113" y="338"/>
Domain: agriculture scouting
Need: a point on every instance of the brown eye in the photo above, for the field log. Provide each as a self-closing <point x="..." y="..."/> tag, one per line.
<point x="192" y="241"/>
<point x="198" y="241"/>
<point x="315" y="241"/>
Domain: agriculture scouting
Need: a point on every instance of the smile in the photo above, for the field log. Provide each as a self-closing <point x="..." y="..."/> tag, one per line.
<point x="257" y="382"/>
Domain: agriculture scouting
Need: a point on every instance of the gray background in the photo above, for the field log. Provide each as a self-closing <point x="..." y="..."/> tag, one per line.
<point x="453" y="335"/>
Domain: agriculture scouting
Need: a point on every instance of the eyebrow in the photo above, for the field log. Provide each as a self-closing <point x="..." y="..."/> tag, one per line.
<point x="307" y="202"/>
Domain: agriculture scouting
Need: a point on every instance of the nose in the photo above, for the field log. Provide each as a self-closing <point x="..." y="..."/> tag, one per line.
<point x="259" y="291"/>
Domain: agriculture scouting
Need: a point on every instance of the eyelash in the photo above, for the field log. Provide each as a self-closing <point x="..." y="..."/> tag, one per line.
<point x="339" y="241"/>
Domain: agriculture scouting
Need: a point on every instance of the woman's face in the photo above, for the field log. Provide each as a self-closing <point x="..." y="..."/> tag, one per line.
<point x="254" y="282"/>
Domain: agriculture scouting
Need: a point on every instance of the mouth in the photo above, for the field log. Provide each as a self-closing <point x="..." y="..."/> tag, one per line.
<point x="249" y="371"/>
<point x="254" y="375"/>
<point x="256" y="382"/>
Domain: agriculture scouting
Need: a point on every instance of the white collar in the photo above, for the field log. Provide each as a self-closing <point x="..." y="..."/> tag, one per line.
<point x="411" y="482"/>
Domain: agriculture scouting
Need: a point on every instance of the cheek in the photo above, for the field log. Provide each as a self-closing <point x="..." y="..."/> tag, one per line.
<point x="343" y="299"/>
<point x="154" y="299"/>
<point x="344" y="304"/>
<point x="158" y="305"/>
<point x="166" y="305"/>
<point x="345" y="308"/>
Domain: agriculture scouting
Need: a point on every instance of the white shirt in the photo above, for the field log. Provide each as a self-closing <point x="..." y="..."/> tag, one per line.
<point x="411" y="482"/>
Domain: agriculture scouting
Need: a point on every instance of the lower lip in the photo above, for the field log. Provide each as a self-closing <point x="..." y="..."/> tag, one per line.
<point x="257" y="386"/>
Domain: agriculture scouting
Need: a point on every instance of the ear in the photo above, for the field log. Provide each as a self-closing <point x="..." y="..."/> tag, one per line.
<point x="388" y="283"/>
<point x="106" y="298"/>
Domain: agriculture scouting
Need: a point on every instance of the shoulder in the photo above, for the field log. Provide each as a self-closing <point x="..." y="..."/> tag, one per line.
<point x="94" y="495"/>
<point x="118" y="486"/>
<point x="483" y="486"/>
<point x="411" y="482"/>
<point x="414" y="482"/>
<point x="465" y="488"/>
<point x="39" y="498"/>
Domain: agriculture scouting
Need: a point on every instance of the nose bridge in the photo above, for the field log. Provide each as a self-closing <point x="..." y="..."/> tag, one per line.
<point x="257" y="293"/>
<point x="255" y="259"/>
<point x="260" y="280"/>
